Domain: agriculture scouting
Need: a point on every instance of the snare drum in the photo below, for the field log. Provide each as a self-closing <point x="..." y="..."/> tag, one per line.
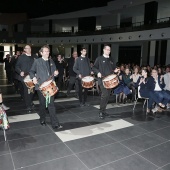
<point x="88" y="82"/>
<point x="28" y="82"/>
<point x="110" y="81"/>
<point x="48" y="87"/>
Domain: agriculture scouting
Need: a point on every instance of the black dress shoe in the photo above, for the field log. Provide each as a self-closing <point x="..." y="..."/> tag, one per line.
<point x="81" y="105"/>
<point x="43" y="123"/>
<point x="101" y="115"/>
<point x="57" y="127"/>
<point x="86" y="104"/>
<point x="106" y="114"/>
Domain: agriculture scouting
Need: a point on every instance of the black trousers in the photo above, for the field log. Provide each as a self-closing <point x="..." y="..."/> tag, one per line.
<point x="51" y="109"/>
<point x="82" y="92"/>
<point x="105" y="94"/>
<point x="131" y="86"/>
<point x="9" y="75"/>
<point x="73" y="81"/>
<point x="28" y="97"/>
<point x="59" y="81"/>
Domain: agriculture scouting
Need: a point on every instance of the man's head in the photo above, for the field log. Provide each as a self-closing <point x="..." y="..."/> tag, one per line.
<point x="27" y="49"/>
<point x="106" y="50"/>
<point x="154" y="73"/>
<point x="7" y="56"/>
<point x="83" y="51"/>
<point x="75" y="55"/>
<point x="45" y="51"/>
<point x="18" y="53"/>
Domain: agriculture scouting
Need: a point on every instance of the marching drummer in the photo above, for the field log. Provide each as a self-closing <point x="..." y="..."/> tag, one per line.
<point x="82" y="69"/>
<point x="103" y="67"/>
<point x="42" y="70"/>
<point x="23" y="67"/>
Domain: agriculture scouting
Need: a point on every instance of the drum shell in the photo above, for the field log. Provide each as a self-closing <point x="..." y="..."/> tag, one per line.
<point x="88" y="84"/>
<point x="110" y="84"/>
<point x="50" y="89"/>
<point x="30" y="84"/>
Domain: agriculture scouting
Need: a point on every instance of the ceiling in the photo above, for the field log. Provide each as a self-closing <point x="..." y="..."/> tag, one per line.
<point x="40" y="8"/>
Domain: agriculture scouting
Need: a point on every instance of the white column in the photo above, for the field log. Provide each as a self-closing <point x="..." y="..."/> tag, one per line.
<point x="68" y="52"/>
<point x="168" y="53"/>
<point x="115" y="53"/>
<point x="152" y="53"/>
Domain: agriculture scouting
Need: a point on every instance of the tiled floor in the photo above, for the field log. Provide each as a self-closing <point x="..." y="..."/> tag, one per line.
<point x="125" y="141"/>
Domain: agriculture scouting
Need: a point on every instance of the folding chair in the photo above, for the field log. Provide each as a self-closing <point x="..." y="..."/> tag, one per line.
<point x="140" y="97"/>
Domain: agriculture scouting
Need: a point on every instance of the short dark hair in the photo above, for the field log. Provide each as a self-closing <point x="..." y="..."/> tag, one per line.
<point x="83" y="48"/>
<point x="106" y="45"/>
<point x="44" y="46"/>
<point x="27" y="45"/>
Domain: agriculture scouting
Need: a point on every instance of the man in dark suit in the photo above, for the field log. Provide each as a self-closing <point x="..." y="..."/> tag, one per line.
<point x="41" y="71"/>
<point x="23" y="67"/>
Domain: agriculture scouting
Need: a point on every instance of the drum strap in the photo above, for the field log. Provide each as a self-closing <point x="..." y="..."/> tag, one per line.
<point x="47" y="98"/>
<point x="49" y="67"/>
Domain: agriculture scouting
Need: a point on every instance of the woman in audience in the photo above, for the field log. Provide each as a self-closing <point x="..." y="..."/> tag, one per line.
<point x="135" y="76"/>
<point x="122" y="90"/>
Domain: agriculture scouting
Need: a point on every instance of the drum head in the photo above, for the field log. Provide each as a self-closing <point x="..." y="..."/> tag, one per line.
<point x="110" y="77"/>
<point x="87" y="79"/>
<point x="46" y="83"/>
<point x="27" y="78"/>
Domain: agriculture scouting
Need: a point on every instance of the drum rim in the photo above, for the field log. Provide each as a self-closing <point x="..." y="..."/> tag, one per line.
<point x="88" y="76"/>
<point x="50" y="81"/>
<point x="108" y="76"/>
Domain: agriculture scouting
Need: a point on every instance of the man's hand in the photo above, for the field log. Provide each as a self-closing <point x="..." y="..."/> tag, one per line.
<point x="80" y="76"/>
<point x="92" y="73"/>
<point x="56" y="73"/>
<point x="99" y="75"/>
<point x="116" y="70"/>
<point x="35" y="80"/>
<point x="22" y="73"/>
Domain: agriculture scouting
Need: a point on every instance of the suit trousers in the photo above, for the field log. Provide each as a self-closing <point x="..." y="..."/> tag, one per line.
<point x="28" y="97"/>
<point x="105" y="94"/>
<point x="51" y="108"/>
<point x="82" y="92"/>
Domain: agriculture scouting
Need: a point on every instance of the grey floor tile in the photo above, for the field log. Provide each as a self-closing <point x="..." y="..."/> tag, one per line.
<point x="164" y="133"/>
<point x="133" y="162"/>
<point x="28" y="132"/>
<point x="143" y="142"/>
<point x="39" y="155"/>
<point x="154" y="125"/>
<point x="167" y="167"/>
<point x="73" y="124"/>
<point x="67" y="117"/>
<point x="158" y="155"/>
<point x="136" y="120"/>
<point x="33" y="142"/>
<point x="6" y="162"/>
<point x="4" y="149"/>
<point x="104" y="155"/>
<point x="89" y="143"/>
<point x="67" y="163"/>
<point x="24" y="124"/>
<point x="96" y="120"/>
<point x="126" y="133"/>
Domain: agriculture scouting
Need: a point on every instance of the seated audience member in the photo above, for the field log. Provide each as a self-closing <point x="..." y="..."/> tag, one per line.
<point x="135" y="76"/>
<point x="127" y="79"/>
<point x="159" y="95"/>
<point x="145" y="87"/>
<point x="121" y="89"/>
